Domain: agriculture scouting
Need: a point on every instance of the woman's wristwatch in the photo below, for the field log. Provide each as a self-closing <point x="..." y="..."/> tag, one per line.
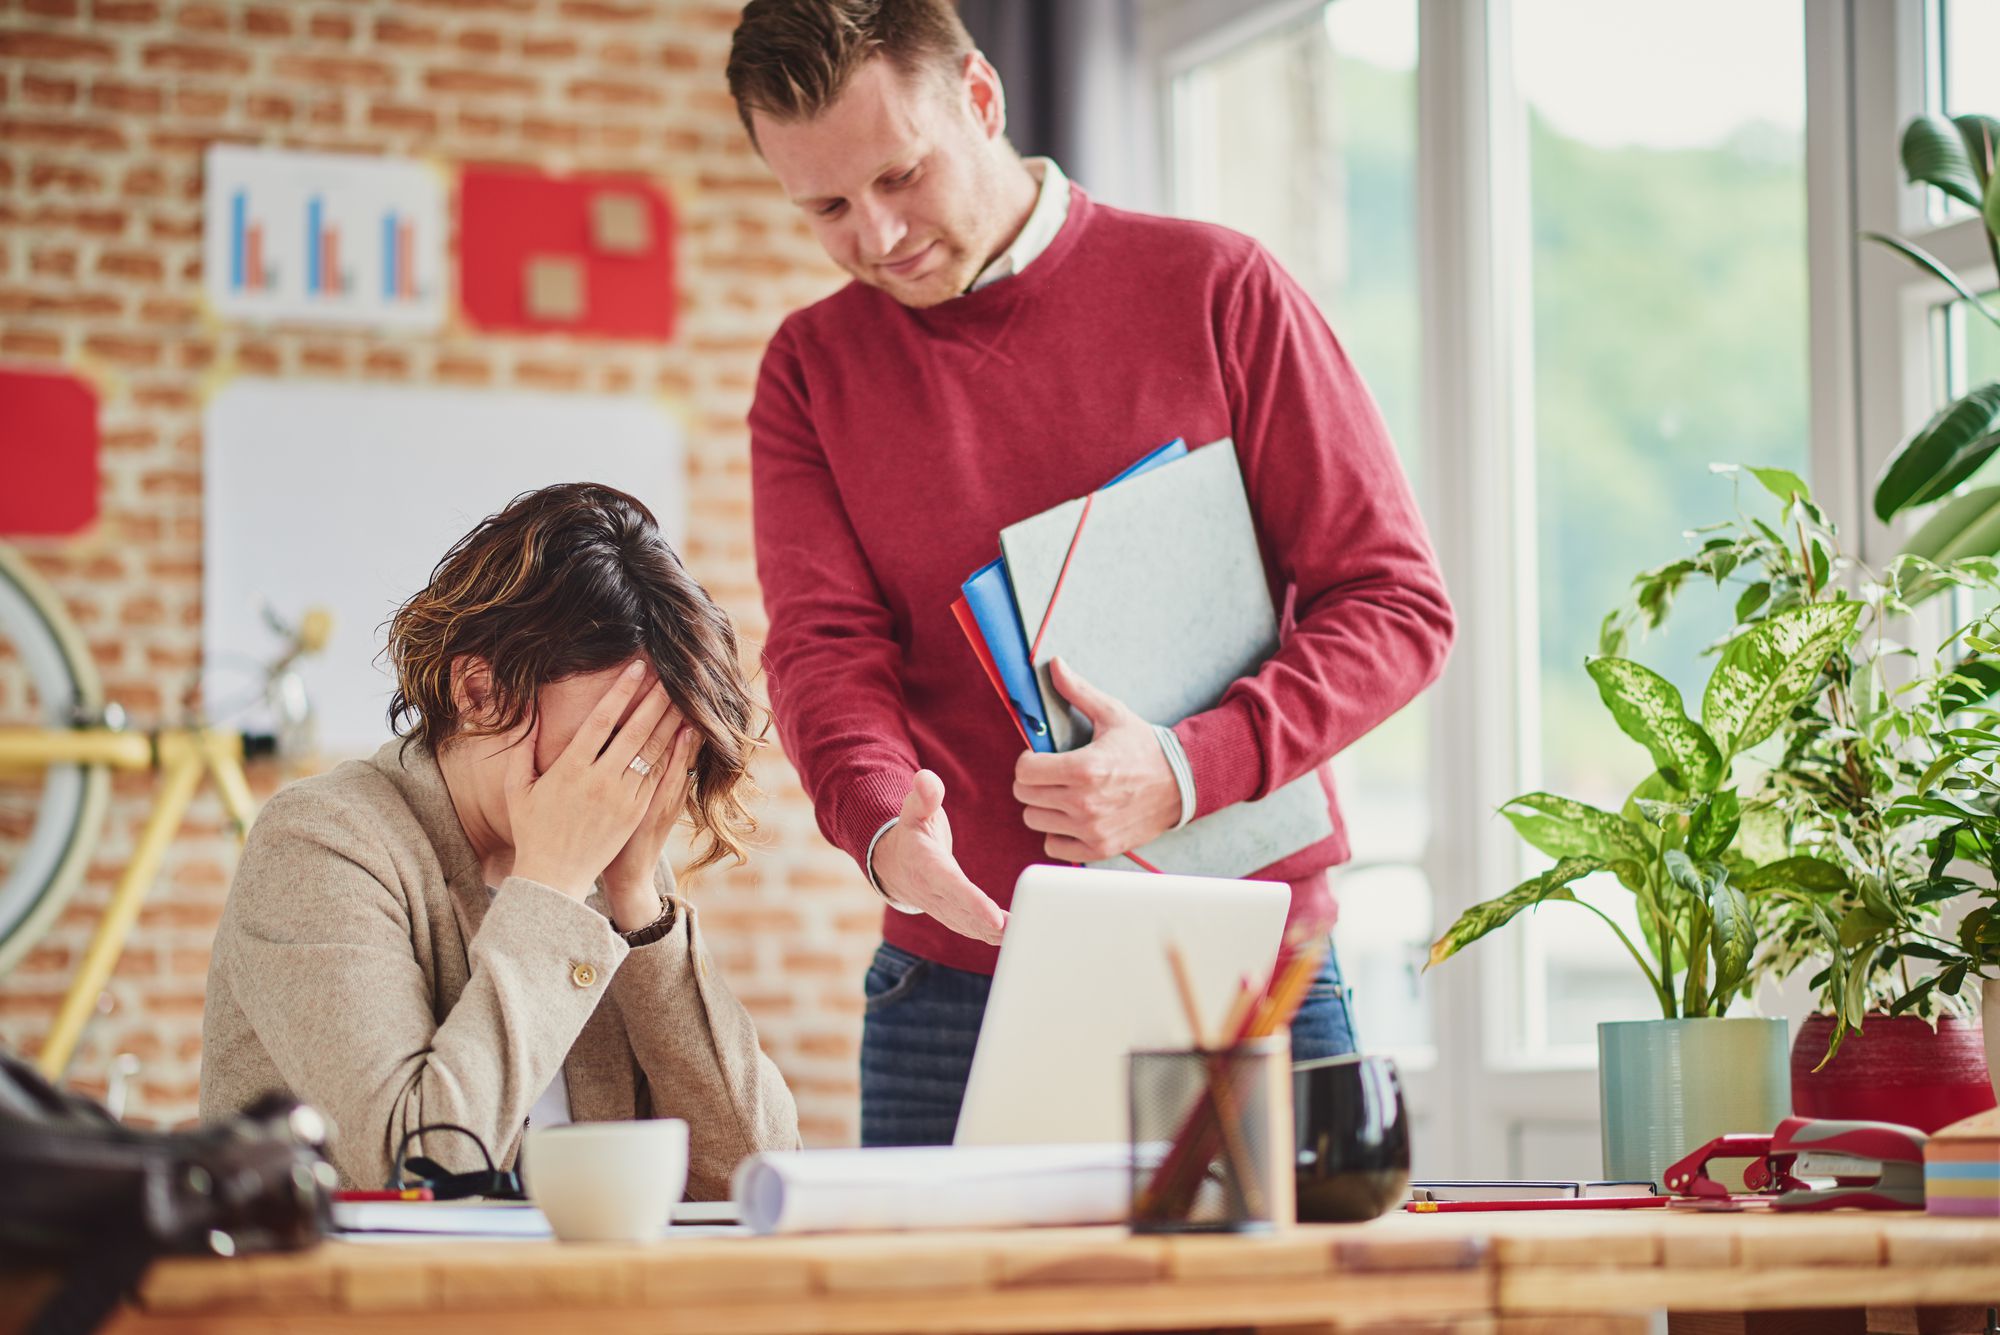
<point x="656" y="929"/>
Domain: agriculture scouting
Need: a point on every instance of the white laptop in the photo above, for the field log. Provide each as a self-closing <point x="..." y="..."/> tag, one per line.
<point x="1083" y="981"/>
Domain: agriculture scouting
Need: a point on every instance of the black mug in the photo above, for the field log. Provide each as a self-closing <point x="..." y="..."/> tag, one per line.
<point x="1353" y="1138"/>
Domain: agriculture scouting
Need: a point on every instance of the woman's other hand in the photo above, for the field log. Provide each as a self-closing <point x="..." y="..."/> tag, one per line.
<point x="628" y="882"/>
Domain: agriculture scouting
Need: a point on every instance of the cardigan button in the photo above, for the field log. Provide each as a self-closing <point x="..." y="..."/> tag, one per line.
<point x="582" y="975"/>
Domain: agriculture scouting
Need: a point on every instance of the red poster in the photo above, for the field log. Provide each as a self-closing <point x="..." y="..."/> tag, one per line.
<point x="48" y="453"/>
<point x="618" y="231"/>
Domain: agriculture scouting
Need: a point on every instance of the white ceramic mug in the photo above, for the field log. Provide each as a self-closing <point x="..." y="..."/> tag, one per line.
<point x="607" y="1181"/>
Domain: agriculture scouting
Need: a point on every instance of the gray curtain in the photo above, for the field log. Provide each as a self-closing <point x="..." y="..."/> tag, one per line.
<point x="1067" y="66"/>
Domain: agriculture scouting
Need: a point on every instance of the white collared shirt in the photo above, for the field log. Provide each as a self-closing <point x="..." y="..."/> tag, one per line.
<point x="1044" y="221"/>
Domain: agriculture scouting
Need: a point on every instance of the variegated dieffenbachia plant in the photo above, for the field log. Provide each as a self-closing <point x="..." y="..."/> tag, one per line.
<point x="1742" y="868"/>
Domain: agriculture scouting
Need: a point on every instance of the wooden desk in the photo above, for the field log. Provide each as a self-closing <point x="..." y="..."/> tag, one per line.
<point x="1041" y="1280"/>
<point x="1853" y="1262"/>
<point x="1477" y="1274"/>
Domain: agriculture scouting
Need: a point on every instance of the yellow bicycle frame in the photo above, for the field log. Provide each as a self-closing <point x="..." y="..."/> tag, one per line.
<point x="181" y="755"/>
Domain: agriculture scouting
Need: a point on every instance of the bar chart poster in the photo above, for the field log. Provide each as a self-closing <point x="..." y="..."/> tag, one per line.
<point x="324" y="238"/>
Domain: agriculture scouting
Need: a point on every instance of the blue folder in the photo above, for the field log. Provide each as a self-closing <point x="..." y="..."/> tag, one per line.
<point x="990" y="595"/>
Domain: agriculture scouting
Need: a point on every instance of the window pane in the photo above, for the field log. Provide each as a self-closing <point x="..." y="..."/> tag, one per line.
<point x="1971" y="38"/>
<point x="1965" y="353"/>
<point x="1306" y="140"/>
<point x="1958" y="36"/>
<point x="1669" y="304"/>
<point x="1981" y="344"/>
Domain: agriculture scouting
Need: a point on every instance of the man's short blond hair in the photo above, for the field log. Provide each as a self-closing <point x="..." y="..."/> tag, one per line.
<point x="792" y="59"/>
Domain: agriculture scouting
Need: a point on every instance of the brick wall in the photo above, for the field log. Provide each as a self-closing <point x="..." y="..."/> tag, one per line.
<point x="105" y="108"/>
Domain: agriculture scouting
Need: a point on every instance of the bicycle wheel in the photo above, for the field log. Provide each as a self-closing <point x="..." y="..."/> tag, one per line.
<point x="49" y="817"/>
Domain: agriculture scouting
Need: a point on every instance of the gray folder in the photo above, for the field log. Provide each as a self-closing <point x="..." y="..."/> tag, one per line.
<point x="1163" y="606"/>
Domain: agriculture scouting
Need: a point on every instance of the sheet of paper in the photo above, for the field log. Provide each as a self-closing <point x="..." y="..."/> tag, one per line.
<point x="936" y="1186"/>
<point x="503" y="1219"/>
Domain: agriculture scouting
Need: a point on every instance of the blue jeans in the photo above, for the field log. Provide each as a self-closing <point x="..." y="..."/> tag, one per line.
<point x="922" y="1023"/>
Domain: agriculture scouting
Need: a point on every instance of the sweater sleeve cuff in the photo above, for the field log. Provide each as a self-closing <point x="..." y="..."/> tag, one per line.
<point x="1177" y="761"/>
<point x="869" y="867"/>
<point x="868" y="804"/>
<point x="1223" y="757"/>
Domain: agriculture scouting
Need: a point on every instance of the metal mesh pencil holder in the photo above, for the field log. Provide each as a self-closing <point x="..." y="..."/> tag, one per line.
<point x="1211" y="1139"/>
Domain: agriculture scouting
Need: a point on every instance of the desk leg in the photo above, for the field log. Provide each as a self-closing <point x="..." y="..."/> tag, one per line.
<point x="1838" y="1321"/>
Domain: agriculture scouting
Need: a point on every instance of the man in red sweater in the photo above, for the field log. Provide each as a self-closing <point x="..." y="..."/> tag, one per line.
<point x="1008" y="343"/>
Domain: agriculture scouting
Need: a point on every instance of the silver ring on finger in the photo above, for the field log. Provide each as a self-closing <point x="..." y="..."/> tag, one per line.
<point x="641" y="766"/>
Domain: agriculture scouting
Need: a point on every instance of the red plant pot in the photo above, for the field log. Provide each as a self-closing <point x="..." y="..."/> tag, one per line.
<point x="1893" y="1069"/>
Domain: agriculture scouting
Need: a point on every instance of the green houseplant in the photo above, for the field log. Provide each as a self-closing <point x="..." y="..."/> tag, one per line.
<point x="1692" y="845"/>
<point x="1961" y="793"/>
<point x="1844" y="768"/>
<point x="1743" y="868"/>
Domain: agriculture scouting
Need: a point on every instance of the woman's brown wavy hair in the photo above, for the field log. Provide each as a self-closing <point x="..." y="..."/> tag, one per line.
<point x="571" y="579"/>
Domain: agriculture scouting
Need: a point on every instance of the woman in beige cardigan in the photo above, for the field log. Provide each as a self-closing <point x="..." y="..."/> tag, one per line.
<point x="477" y="926"/>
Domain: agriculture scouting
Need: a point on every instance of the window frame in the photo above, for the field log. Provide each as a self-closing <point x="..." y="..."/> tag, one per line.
<point x="1475" y="300"/>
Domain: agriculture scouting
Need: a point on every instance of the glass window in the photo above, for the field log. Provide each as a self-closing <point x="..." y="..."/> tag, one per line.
<point x="1971" y="36"/>
<point x="1305" y="139"/>
<point x="1668" y="281"/>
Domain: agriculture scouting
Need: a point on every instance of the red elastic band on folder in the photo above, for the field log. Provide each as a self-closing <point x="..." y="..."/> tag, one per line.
<point x="1035" y="649"/>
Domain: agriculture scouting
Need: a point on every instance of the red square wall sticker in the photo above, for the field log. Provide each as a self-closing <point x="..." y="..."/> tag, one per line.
<point x="586" y="255"/>
<point x="48" y="453"/>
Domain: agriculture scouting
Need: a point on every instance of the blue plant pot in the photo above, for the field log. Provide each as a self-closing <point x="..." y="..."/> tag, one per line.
<point x="1667" y="1087"/>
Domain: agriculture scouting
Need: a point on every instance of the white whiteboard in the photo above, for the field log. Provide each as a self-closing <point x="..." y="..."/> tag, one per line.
<point x="344" y="496"/>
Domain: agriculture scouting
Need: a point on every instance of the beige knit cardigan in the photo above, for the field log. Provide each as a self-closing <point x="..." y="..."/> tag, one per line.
<point x="363" y="965"/>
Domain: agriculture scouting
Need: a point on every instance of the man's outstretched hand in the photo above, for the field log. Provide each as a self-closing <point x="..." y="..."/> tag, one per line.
<point x="915" y="867"/>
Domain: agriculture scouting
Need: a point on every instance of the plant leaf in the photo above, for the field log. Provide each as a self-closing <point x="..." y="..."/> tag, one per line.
<point x="1753" y="598"/>
<point x="1768" y="669"/>
<point x="1480" y="919"/>
<point x="1914" y="997"/>
<point x="1815" y="875"/>
<point x="1967" y="525"/>
<point x="1564" y="828"/>
<point x="1648" y="709"/>
<point x="1982" y="141"/>
<point x="1943" y="453"/>
<point x="1971" y="682"/>
<point x="1733" y="936"/>
<point x="1684" y="874"/>
<point x="1714" y="825"/>
<point x="1990" y="214"/>
<point x="1786" y="485"/>
<point x="1934" y="154"/>
<point x="1854" y="996"/>
<point x="1860" y="926"/>
<point x="1935" y="267"/>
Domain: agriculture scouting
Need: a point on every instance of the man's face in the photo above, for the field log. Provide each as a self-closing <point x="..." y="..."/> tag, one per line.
<point x="900" y="178"/>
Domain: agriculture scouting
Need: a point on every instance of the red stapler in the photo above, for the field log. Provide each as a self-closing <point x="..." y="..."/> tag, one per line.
<point x="1871" y="1166"/>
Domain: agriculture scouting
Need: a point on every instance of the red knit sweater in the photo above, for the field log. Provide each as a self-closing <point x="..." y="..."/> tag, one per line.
<point x="889" y="446"/>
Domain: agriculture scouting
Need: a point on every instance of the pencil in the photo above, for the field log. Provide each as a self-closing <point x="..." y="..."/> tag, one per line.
<point x="1561" y="1203"/>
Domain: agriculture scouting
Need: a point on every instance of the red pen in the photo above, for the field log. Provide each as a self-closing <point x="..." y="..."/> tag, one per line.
<point x="393" y="1194"/>
<point x="1563" y="1203"/>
